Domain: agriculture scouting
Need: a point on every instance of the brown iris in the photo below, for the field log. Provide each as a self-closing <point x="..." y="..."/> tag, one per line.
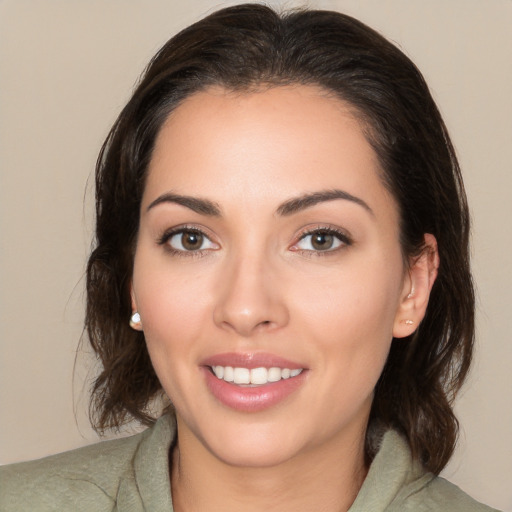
<point x="191" y="240"/>
<point x="322" y="241"/>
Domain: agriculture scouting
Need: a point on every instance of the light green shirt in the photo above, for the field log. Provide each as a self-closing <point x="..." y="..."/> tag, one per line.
<point x="132" y="474"/>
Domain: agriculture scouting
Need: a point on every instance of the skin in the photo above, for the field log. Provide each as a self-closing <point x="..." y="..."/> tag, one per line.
<point x="258" y="285"/>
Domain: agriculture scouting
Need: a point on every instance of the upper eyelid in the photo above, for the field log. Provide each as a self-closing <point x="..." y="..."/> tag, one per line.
<point x="167" y="234"/>
<point x="329" y="229"/>
<point x="344" y="237"/>
<point x="342" y="234"/>
<point x="187" y="227"/>
<point x="164" y="240"/>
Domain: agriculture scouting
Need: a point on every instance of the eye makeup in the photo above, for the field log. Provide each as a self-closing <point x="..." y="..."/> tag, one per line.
<point x="322" y="240"/>
<point x="191" y="241"/>
<point x="187" y="241"/>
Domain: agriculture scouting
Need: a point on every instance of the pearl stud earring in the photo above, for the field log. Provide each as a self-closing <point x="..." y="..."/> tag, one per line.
<point x="135" y="322"/>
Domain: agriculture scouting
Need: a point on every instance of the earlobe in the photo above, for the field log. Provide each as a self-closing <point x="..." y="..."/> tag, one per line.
<point x="421" y="276"/>
<point x="135" y="321"/>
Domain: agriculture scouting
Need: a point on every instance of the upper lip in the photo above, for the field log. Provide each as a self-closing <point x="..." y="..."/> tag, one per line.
<point x="251" y="360"/>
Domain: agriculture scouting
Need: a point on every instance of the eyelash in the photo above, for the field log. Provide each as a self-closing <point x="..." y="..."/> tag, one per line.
<point x="341" y="236"/>
<point x="167" y="236"/>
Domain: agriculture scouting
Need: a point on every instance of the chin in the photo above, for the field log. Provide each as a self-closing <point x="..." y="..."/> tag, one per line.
<point x="248" y="454"/>
<point x="252" y="444"/>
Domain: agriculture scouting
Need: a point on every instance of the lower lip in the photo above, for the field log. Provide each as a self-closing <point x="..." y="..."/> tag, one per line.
<point x="252" y="399"/>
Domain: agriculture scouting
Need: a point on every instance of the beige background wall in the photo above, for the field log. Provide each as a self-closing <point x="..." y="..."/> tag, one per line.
<point x="66" y="68"/>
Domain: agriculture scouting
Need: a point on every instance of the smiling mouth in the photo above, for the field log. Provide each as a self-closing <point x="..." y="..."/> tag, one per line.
<point x="253" y="376"/>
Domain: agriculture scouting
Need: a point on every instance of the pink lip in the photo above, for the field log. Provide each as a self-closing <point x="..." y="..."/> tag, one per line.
<point x="250" y="361"/>
<point x="251" y="399"/>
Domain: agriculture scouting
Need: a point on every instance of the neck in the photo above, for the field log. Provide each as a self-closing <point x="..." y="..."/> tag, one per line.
<point x="325" y="478"/>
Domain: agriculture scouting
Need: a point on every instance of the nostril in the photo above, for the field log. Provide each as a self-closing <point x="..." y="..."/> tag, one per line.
<point x="265" y="325"/>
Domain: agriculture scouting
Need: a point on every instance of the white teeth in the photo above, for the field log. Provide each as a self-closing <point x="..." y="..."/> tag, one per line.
<point x="274" y="374"/>
<point x="229" y="375"/>
<point x="242" y="375"/>
<point x="259" y="376"/>
<point x="255" y="376"/>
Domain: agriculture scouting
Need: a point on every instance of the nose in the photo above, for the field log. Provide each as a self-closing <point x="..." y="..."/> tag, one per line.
<point x="250" y="297"/>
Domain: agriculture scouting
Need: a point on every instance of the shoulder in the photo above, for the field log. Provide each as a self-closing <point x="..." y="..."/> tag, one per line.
<point x="440" y="495"/>
<point x="83" y="479"/>
<point x="397" y="483"/>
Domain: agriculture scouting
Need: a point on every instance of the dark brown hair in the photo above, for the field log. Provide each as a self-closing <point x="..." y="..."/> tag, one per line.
<point x="247" y="47"/>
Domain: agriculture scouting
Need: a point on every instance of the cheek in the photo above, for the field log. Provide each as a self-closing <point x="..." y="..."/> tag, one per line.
<point x="353" y="335"/>
<point x="164" y="290"/>
<point x="168" y="308"/>
<point x="172" y="307"/>
<point x="172" y="316"/>
<point x="350" y="317"/>
<point x="357" y="300"/>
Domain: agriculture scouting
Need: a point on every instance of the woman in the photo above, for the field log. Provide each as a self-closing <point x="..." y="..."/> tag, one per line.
<point x="282" y="251"/>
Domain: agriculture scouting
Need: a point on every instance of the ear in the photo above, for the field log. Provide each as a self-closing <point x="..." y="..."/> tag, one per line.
<point x="132" y="297"/>
<point x="135" y="321"/>
<point x="418" y="283"/>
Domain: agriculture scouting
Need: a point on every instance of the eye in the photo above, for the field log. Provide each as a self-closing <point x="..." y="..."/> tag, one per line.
<point x="188" y="240"/>
<point x="321" y="240"/>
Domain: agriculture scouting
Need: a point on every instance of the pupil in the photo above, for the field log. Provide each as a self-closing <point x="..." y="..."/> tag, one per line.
<point x="191" y="240"/>
<point x="322" y="241"/>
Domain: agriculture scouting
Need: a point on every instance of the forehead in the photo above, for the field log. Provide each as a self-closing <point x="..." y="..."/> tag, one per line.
<point x="266" y="145"/>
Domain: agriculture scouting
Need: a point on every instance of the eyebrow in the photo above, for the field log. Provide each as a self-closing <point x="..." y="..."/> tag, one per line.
<point x="201" y="206"/>
<point x="300" y="203"/>
<point x="294" y="205"/>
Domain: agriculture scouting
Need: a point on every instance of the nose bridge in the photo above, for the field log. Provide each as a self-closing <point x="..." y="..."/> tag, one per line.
<point x="249" y="297"/>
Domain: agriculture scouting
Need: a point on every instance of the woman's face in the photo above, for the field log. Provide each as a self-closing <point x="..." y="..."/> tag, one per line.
<point x="268" y="254"/>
